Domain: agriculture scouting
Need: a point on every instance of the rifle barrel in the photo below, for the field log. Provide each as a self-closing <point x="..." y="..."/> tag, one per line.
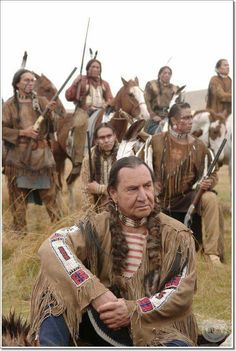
<point x="90" y="158"/>
<point x="59" y="91"/>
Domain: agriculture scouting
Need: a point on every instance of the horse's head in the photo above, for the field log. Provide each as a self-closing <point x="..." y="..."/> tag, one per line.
<point x="44" y="87"/>
<point x="217" y="133"/>
<point x="130" y="98"/>
<point x="201" y="125"/>
<point x="210" y="130"/>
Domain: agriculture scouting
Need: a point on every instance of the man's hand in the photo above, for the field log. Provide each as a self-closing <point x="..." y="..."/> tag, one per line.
<point x="205" y="183"/>
<point x="29" y="132"/>
<point x="156" y="118"/>
<point x="51" y="105"/>
<point x="108" y="296"/>
<point x="114" y="314"/>
<point x="77" y="79"/>
<point x="93" y="187"/>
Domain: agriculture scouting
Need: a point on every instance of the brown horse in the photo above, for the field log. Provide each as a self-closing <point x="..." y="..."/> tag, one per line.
<point x="129" y="105"/>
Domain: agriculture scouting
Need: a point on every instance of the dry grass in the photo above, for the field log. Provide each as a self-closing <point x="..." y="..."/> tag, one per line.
<point x="21" y="264"/>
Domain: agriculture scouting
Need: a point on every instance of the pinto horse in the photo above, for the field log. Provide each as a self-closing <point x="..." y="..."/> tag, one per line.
<point x="212" y="128"/>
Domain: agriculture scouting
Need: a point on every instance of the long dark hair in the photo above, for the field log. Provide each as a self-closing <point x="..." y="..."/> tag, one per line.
<point x="16" y="79"/>
<point x="119" y="243"/>
<point x="97" y="152"/>
<point x="159" y="76"/>
<point x="176" y="109"/>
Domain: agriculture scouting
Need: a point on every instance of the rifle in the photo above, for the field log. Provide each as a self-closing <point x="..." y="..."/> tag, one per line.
<point x="90" y="158"/>
<point x="197" y="197"/>
<point x="41" y="118"/>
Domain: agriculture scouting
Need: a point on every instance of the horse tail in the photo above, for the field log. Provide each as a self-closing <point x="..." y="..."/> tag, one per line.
<point x="15" y="331"/>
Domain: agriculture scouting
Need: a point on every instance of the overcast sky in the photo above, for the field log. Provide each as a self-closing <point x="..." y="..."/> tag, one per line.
<point x="133" y="38"/>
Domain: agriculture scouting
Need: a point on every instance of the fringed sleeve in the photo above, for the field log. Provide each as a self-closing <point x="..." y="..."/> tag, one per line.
<point x="87" y="199"/>
<point x="64" y="284"/>
<point x="9" y="133"/>
<point x="170" y="307"/>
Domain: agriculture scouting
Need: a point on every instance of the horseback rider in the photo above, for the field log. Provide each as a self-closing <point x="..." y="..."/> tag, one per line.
<point x="179" y="161"/>
<point x="158" y="94"/>
<point x="219" y="90"/>
<point x="36" y="180"/>
<point x="89" y="93"/>
<point x="103" y="155"/>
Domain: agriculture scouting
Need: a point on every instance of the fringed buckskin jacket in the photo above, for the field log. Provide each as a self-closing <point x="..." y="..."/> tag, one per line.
<point x="86" y="91"/>
<point x="101" y="166"/>
<point x="178" y="167"/>
<point x="220" y="94"/>
<point x="158" y="97"/>
<point x="41" y="161"/>
<point x="76" y="268"/>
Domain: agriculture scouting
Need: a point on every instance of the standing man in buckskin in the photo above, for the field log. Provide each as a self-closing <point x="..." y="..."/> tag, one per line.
<point x="158" y="94"/>
<point x="219" y="89"/>
<point x="35" y="181"/>
<point x="89" y="93"/>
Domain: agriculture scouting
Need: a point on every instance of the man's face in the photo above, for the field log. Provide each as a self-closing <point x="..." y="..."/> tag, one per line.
<point x="224" y="67"/>
<point x="105" y="139"/>
<point x="94" y="70"/>
<point x="135" y="192"/>
<point x="26" y="83"/>
<point x="184" y="122"/>
<point x="165" y="76"/>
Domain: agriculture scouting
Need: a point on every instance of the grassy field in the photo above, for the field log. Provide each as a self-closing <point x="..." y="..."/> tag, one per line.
<point x="20" y="262"/>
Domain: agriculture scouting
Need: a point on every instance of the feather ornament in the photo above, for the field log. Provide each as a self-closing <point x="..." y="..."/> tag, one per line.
<point x="125" y="149"/>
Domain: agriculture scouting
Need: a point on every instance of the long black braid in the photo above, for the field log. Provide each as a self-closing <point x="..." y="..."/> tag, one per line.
<point x="119" y="243"/>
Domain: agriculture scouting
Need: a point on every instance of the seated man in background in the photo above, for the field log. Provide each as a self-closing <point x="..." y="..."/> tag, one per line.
<point x="103" y="155"/>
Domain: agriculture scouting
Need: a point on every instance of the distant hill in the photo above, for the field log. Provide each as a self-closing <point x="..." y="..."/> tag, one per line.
<point x="196" y="98"/>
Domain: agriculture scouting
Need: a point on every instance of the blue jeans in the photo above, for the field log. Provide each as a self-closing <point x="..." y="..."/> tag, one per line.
<point x="54" y="332"/>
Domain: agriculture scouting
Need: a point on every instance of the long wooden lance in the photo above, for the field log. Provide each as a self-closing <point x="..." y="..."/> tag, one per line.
<point x="40" y="119"/>
<point x="197" y="197"/>
<point x="82" y="61"/>
<point x="85" y="42"/>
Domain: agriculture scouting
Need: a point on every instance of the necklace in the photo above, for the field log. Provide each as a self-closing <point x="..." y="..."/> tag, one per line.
<point x="24" y="97"/>
<point x="178" y="135"/>
<point x="131" y="222"/>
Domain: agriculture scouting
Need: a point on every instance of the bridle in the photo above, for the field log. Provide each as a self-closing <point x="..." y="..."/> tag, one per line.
<point x="138" y="104"/>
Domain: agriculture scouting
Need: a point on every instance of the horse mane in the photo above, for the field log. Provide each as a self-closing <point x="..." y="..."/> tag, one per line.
<point x="15" y="331"/>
